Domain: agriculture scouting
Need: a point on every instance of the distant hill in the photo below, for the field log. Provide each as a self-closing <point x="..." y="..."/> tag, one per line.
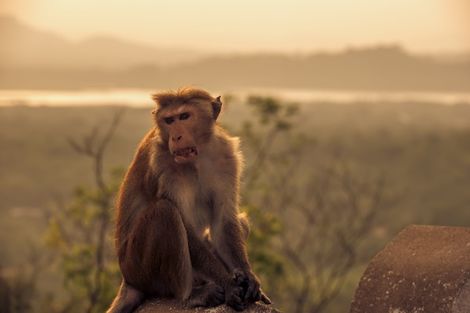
<point x="25" y="47"/>
<point x="377" y="68"/>
<point x="41" y="60"/>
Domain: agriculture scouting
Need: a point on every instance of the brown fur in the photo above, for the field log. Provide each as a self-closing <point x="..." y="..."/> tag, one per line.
<point x="167" y="204"/>
<point x="180" y="96"/>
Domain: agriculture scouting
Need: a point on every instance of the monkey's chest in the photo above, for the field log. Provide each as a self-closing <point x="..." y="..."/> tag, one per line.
<point x="201" y="195"/>
<point x="196" y="205"/>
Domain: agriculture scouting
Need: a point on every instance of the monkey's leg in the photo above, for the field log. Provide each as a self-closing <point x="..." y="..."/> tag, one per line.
<point x="157" y="259"/>
<point x="127" y="299"/>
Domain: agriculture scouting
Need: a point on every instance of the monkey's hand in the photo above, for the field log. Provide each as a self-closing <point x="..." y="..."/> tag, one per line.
<point x="250" y="287"/>
<point x="234" y="295"/>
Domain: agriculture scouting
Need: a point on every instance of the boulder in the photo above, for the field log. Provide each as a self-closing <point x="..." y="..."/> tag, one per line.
<point x="423" y="269"/>
<point x="173" y="306"/>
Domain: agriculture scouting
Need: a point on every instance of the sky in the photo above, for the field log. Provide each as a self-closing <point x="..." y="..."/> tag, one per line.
<point x="432" y="26"/>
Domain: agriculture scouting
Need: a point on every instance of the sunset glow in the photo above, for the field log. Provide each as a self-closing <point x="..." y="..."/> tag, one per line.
<point x="293" y="26"/>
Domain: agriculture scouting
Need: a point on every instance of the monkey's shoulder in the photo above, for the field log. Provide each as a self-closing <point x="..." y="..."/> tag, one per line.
<point x="229" y="145"/>
<point x="224" y="154"/>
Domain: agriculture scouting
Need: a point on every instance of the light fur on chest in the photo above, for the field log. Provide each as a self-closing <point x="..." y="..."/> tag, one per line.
<point x="196" y="197"/>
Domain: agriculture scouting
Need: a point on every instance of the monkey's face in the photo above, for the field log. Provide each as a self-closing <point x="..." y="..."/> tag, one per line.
<point x="185" y="128"/>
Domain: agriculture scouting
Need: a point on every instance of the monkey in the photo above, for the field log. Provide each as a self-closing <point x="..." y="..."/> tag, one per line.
<point x="179" y="233"/>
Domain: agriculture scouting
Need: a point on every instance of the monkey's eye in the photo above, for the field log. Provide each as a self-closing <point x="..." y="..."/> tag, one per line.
<point x="169" y="120"/>
<point x="184" y="116"/>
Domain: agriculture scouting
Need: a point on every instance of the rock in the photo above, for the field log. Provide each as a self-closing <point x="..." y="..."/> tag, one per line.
<point x="423" y="269"/>
<point x="173" y="306"/>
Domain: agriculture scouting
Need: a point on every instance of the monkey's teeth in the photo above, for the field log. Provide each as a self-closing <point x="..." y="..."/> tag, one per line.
<point x="186" y="152"/>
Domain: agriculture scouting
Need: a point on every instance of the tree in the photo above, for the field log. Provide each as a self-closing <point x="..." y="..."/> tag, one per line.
<point x="307" y="221"/>
<point x="323" y="212"/>
<point x="80" y="231"/>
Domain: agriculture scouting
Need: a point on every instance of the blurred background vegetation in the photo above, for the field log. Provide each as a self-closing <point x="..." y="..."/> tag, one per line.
<point x="351" y="131"/>
<point x="323" y="196"/>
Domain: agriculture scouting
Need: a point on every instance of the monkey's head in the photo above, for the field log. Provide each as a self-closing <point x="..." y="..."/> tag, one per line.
<point x="186" y="120"/>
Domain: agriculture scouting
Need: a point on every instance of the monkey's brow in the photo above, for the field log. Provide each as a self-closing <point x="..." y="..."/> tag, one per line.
<point x="175" y="112"/>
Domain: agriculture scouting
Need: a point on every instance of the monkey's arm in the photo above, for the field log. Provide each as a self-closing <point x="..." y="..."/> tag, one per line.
<point x="229" y="242"/>
<point x="204" y="261"/>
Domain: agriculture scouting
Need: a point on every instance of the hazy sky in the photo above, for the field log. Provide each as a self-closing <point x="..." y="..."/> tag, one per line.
<point x="258" y="25"/>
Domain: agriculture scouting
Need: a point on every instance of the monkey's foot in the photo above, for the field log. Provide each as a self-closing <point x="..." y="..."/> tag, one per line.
<point x="207" y="295"/>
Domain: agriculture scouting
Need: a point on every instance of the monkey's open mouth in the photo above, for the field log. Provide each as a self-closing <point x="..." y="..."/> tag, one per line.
<point x="185" y="154"/>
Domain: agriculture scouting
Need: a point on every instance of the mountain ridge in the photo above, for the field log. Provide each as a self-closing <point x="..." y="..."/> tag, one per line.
<point x="109" y="62"/>
<point x="27" y="46"/>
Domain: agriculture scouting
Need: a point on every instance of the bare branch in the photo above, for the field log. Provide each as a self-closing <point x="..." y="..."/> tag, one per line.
<point x="93" y="146"/>
<point x="117" y="118"/>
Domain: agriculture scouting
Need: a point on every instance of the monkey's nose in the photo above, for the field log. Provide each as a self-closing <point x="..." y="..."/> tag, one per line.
<point x="177" y="138"/>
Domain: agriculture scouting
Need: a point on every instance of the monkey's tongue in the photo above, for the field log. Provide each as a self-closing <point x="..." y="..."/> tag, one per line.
<point x="185" y="154"/>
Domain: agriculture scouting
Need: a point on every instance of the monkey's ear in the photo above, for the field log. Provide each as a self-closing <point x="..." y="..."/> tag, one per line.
<point x="216" y="107"/>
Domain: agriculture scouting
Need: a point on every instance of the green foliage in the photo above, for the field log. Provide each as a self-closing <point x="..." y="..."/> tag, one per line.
<point x="422" y="147"/>
<point x="72" y="235"/>
<point x="22" y="292"/>
<point x="291" y="208"/>
<point x="272" y="122"/>
<point x="270" y="111"/>
<point x="266" y="263"/>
